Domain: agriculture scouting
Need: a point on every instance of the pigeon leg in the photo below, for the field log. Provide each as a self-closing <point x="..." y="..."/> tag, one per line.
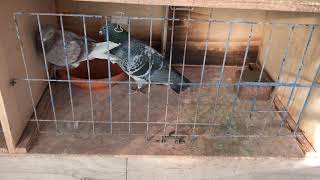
<point x="137" y="90"/>
<point x="139" y="87"/>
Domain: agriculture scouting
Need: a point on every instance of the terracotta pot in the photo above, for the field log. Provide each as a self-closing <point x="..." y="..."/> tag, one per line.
<point x="98" y="71"/>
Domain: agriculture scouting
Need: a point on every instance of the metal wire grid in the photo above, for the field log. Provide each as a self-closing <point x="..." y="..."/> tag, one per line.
<point x="218" y="84"/>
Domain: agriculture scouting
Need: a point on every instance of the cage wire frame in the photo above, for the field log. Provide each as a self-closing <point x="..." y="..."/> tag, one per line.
<point x="211" y="22"/>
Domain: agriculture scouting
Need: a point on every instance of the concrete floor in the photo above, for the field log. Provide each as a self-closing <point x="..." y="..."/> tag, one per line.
<point x="103" y="167"/>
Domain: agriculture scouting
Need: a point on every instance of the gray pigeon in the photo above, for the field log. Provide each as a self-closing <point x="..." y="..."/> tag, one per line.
<point x="75" y="47"/>
<point x="144" y="60"/>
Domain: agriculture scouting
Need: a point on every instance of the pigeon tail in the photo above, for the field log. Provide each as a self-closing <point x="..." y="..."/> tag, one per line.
<point x="177" y="86"/>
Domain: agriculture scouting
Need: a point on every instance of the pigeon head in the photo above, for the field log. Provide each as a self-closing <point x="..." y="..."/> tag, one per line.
<point x="48" y="32"/>
<point x="49" y="36"/>
<point x="116" y="33"/>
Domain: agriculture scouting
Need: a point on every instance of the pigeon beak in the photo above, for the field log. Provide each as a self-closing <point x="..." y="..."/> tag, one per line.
<point x="100" y="33"/>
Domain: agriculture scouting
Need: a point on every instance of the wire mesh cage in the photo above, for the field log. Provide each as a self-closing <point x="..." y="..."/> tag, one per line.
<point x="226" y="98"/>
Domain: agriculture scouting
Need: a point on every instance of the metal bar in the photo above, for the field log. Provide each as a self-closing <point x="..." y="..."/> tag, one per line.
<point x="200" y="84"/>
<point x="88" y="68"/>
<point x="266" y="54"/>
<point x="47" y="72"/>
<point x="56" y="14"/>
<point x="170" y="19"/>
<point x="165" y="33"/>
<point x="183" y="68"/>
<point x="181" y="8"/>
<point x="181" y="135"/>
<point x="265" y="60"/>
<point x="124" y="122"/>
<point x="286" y="52"/>
<point x="169" y="74"/>
<point x="200" y="65"/>
<point x="90" y="16"/>
<point x="296" y="78"/>
<point x="222" y="70"/>
<point x="184" y="135"/>
<point x="281" y="70"/>
<point x="26" y="70"/>
<point x="317" y="74"/>
<point x="250" y="22"/>
<point x="149" y="78"/>
<point x="202" y="72"/>
<point x="234" y="104"/>
<point x="109" y="76"/>
<point x="222" y="84"/>
<point x="129" y="67"/>
<point x="261" y="111"/>
<point x="68" y="71"/>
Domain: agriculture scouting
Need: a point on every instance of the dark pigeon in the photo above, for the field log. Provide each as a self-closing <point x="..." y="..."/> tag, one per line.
<point x="144" y="60"/>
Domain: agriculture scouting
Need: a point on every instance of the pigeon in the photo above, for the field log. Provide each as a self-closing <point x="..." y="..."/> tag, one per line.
<point x="144" y="60"/>
<point x="75" y="47"/>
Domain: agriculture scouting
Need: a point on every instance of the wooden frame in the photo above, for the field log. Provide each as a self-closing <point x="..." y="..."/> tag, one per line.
<point x="287" y="5"/>
<point x="14" y="124"/>
<point x="15" y="107"/>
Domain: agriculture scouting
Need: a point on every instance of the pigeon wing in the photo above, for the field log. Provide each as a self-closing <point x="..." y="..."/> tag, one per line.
<point x="73" y="51"/>
<point x="145" y="60"/>
<point x="57" y="55"/>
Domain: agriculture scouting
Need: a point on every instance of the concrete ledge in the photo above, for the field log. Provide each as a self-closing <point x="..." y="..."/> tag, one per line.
<point x="89" y="167"/>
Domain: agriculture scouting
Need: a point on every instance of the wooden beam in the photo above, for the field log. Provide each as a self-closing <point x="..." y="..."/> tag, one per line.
<point x="302" y="140"/>
<point x="274" y="5"/>
<point x="165" y="32"/>
<point x="90" y="167"/>
<point x="5" y="126"/>
<point x="62" y="167"/>
<point x="25" y="141"/>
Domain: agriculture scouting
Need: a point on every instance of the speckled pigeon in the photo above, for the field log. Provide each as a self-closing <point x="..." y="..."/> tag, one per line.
<point x="75" y="47"/>
<point x="144" y="60"/>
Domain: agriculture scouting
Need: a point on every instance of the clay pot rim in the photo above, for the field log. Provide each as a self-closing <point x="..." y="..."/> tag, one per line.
<point x="97" y="79"/>
<point x="83" y="83"/>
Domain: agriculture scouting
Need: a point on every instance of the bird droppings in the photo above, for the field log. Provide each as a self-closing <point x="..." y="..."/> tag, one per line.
<point x="232" y="134"/>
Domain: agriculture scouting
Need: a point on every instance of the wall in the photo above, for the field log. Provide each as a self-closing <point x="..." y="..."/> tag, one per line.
<point x="139" y="28"/>
<point x="197" y="32"/>
<point x="15" y="100"/>
<point x="310" y="123"/>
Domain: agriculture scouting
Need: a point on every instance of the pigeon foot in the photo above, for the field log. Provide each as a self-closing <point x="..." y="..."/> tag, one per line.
<point x="136" y="90"/>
